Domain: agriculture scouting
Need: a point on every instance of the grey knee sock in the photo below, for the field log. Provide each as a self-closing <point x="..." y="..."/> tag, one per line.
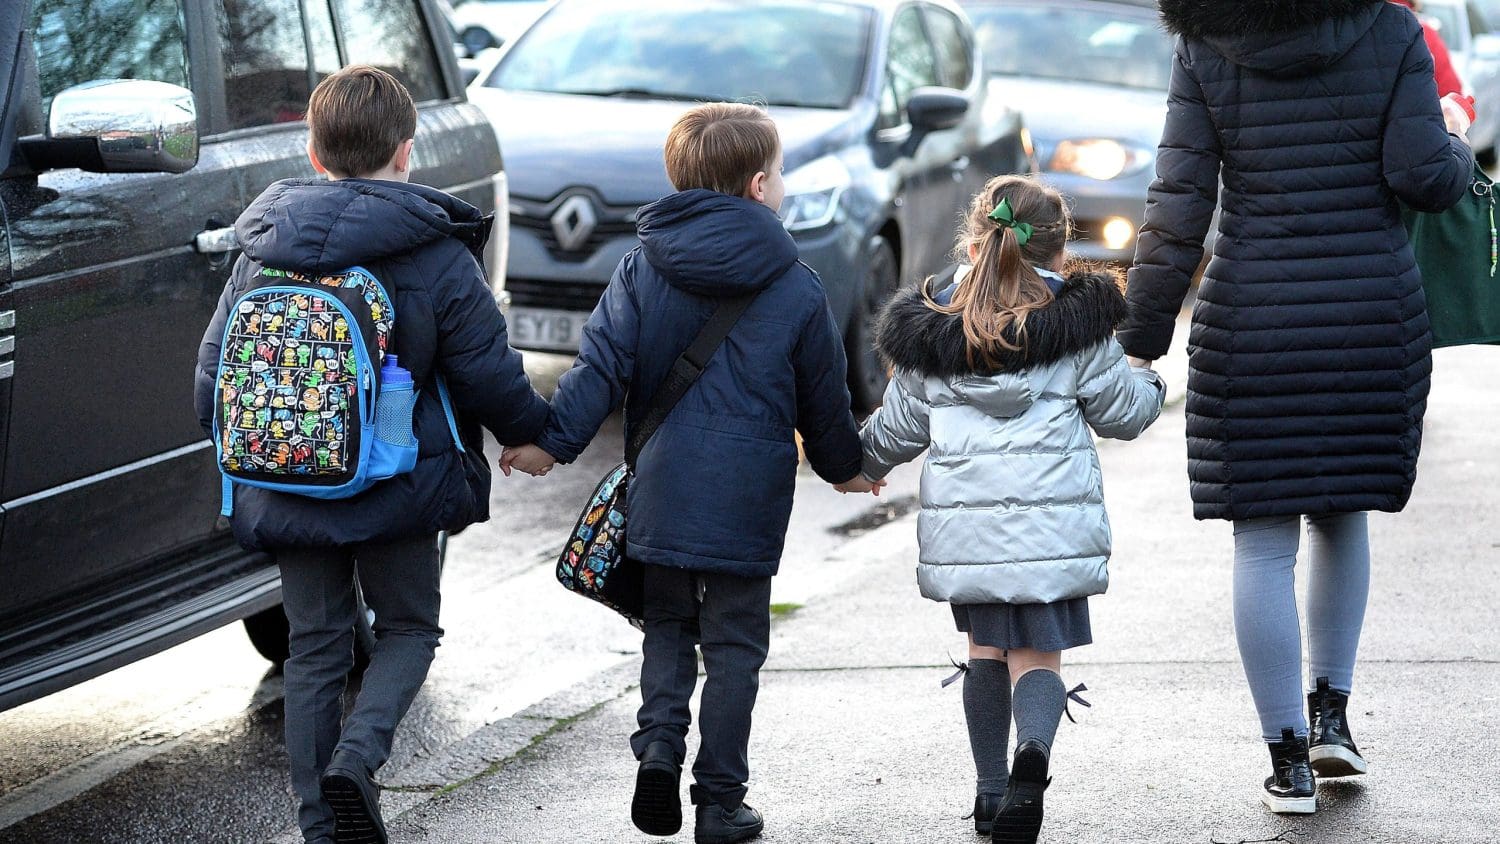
<point x="987" y="712"/>
<point x="1038" y="703"/>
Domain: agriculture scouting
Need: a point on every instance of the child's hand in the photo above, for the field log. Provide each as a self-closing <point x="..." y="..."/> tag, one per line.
<point x="1139" y="363"/>
<point x="861" y="484"/>
<point x="528" y="458"/>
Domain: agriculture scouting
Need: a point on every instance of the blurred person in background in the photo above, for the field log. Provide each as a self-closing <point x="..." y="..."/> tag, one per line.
<point x="1447" y="78"/>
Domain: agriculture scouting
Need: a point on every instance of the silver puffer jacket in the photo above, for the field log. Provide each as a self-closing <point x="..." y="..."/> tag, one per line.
<point x="1012" y="494"/>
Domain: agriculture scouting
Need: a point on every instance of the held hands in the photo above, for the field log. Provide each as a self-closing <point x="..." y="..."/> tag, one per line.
<point x="860" y="484"/>
<point x="528" y="458"/>
<point x="1139" y="363"/>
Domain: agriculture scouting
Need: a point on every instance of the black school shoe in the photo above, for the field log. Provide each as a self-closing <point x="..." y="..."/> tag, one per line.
<point x="355" y="800"/>
<point x="1331" y="751"/>
<point x="656" y="808"/>
<point x="718" y="825"/>
<point x="1291" y="789"/>
<point x="985" y="807"/>
<point x="1019" y="819"/>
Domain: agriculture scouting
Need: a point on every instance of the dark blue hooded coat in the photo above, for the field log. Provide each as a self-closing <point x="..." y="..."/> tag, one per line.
<point x="1310" y="347"/>
<point x="713" y="487"/>
<point x="423" y="245"/>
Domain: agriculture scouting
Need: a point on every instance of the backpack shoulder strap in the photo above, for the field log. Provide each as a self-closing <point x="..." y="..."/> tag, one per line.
<point x="686" y="370"/>
<point x="447" y="402"/>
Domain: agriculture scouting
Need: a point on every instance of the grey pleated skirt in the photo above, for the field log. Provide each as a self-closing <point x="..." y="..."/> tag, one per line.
<point x="1044" y="627"/>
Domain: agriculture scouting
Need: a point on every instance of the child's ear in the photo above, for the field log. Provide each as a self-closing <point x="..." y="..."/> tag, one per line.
<point x="312" y="156"/>
<point x="402" y="160"/>
<point x="756" y="190"/>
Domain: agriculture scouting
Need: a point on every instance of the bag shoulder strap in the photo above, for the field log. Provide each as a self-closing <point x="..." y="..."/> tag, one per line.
<point x="686" y="370"/>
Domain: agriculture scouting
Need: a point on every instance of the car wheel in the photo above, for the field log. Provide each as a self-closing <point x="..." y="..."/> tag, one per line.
<point x="867" y="373"/>
<point x="267" y="630"/>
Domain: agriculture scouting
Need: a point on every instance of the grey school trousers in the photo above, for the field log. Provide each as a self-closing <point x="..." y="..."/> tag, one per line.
<point x="729" y="617"/>
<point x="400" y="583"/>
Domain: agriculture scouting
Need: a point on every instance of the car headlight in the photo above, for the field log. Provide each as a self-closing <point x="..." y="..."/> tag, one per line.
<point x="1099" y="158"/>
<point x="813" y="192"/>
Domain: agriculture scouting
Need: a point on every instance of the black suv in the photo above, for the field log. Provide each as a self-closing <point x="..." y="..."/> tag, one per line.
<point x="132" y="135"/>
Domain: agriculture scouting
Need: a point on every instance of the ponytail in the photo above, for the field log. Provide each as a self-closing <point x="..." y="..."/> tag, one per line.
<point x="1003" y="288"/>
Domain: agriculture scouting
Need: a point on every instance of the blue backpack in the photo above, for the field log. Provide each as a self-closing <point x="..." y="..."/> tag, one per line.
<point x="308" y="401"/>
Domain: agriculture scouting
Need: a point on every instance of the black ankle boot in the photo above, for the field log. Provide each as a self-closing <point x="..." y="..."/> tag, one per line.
<point x="656" y="808"/>
<point x="1019" y="819"/>
<point x="1331" y="747"/>
<point x="1291" y="789"/>
<point x="718" y="825"/>
<point x="985" y="807"/>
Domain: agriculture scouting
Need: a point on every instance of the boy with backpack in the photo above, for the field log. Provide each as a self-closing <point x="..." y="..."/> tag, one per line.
<point x="357" y="308"/>
<point x="713" y="487"/>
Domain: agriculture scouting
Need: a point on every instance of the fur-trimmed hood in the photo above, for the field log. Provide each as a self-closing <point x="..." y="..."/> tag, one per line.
<point x="912" y="336"/>
<point x="1279" y="37"/>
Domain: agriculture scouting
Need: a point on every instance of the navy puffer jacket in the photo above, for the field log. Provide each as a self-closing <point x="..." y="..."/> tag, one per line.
<point x="713" y="488"/>
<point x="423" y="245"/>
<point x="1310" y="349"/>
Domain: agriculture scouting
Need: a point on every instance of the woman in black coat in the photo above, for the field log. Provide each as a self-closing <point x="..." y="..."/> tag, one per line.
<point x="1310" y="348"/>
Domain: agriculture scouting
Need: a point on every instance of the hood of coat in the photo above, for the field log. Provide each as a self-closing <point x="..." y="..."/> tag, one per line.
<point x="912" y="336"/>
<point x="323" y="226"/>
<point x="713" y="244"/>
<point x="1277" y="37"/>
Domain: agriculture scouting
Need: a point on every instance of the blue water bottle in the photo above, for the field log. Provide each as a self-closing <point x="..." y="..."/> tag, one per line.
<point x="393" y="408"/>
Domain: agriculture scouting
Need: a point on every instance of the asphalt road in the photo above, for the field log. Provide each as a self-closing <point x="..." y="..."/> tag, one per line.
<point x="186" y="745"/>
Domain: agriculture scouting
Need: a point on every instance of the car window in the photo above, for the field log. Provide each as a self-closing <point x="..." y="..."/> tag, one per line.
<point x="780" y="53"/>
<point x="391" y="35"/>
<point x="80" y="41"/>
<point x="1449" y="22"/>
<point x="955" y="51"/>
<point x="1102" y="47"/>
<point x="910" y="64"/>
<point x="265" y="58"/>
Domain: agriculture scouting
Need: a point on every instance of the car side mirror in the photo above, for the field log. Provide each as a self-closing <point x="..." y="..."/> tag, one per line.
<point x="127" y="126"/>
<point x="477" y="39"/>
<point x="933" y="109"/>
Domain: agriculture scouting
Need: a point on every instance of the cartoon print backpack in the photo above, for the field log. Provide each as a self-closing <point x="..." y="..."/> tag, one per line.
<point x="308" y="400"/>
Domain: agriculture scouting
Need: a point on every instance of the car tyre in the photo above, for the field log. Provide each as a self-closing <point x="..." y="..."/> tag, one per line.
<point x="868" y="375"/>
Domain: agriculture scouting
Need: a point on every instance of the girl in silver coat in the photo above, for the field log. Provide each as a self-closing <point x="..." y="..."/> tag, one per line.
<point x="999" y="375"/>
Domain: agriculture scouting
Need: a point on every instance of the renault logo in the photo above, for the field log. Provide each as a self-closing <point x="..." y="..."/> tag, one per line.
<point x="573" y="222"/>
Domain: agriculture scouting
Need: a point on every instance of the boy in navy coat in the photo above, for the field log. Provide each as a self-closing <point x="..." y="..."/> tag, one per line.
<point x="423" y="245"/>
<point x="713" y="490"/>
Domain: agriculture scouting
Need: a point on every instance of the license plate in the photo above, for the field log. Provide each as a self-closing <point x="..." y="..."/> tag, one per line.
<point x="546" y="329"/>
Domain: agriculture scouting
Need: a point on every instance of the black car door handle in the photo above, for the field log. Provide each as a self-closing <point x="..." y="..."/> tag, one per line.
<point x="216" y="241"/>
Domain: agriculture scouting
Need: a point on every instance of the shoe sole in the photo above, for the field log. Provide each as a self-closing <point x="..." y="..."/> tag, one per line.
<point x="1021" y="825"/>
<point x="732" y="838"/>
<point x="354" y="820"/>
<point x="1289" y="805"/>
<point x="1332" y="760"/>
<point x="656" y="808"/>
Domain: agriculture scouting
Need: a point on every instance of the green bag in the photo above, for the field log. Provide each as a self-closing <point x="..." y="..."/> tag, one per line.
<point x="1456" y="251"/>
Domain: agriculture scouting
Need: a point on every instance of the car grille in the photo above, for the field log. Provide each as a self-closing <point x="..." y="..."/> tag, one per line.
<point x="566" y="295"/>
<point x="613" y="223"/>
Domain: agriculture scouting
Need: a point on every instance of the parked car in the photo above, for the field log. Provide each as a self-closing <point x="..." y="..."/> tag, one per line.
<point x="124" y="169"/>
<point x="885" y="124"/>
<point x="1090" y="79"/>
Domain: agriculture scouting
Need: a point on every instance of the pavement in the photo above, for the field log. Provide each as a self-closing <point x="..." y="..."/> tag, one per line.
<point x="855" y="740"/>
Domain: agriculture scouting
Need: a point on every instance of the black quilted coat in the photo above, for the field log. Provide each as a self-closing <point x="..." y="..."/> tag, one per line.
<point x="1310" y="350"/>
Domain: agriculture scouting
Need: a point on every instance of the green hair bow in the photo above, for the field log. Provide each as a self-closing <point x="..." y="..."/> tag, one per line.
<point x="1006" y="219"/>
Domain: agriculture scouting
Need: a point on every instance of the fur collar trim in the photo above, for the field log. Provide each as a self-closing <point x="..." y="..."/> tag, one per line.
<point x="1201" y="19"/>
<point x="910" y="335"/>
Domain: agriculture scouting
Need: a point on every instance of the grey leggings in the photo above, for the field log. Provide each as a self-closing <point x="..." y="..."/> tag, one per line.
<point x="1265" y="609"/>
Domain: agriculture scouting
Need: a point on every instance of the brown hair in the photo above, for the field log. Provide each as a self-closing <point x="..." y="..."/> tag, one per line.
<point x="1004" y="287"/>
<point x="721" y="146"/>
<point x="357" y="118"/>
